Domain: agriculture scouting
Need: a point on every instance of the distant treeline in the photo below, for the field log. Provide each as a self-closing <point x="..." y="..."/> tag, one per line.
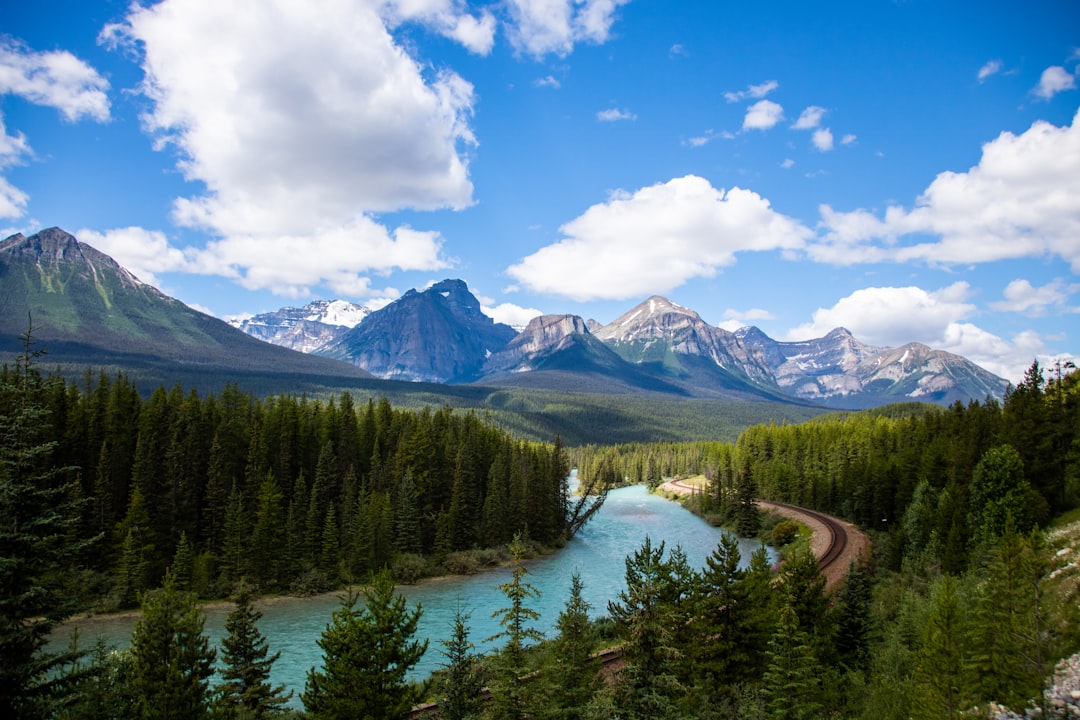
<point x="927" y="479"/>
<point x="286" y="491"/>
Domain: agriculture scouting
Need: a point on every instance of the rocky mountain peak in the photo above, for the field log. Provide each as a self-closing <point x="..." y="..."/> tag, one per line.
<point x="56" y="251"/>
<point x="656" y="317"/>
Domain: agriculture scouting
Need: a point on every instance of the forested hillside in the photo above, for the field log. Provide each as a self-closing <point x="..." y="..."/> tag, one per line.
<point x="285" y="491"/>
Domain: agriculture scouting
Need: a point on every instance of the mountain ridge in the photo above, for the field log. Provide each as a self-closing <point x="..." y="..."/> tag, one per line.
<point x="84" y="304"/>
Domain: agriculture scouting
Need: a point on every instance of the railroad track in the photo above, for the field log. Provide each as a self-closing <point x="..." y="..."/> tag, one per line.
<point x="837" y="534"/>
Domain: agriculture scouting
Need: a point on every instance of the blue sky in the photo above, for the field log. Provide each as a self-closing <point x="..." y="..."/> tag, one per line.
<point x="909" y="170"/>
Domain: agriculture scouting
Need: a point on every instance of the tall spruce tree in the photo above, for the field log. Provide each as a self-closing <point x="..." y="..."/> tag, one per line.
<point x="367" y="652"/>
<point x="461" y="693"/>
<point x="573" y="678"/>
<point x="36" y="516"/>
<point x="246" y="683"/>
<point x="172" y="657"/>
<point x="509" y="688"/>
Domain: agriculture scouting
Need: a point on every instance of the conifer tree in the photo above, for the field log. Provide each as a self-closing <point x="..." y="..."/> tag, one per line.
<point x="407" y="517"/>
<point x="573" y="676"/>
<point x="247" y="663"/>
<point x="460" y="696"/>
<point x="172" y="658"/>
<point x="183" y="564"/>
<point x="648" y="617"/>
<point x="791" y="683"/>
<point x="509" y="692"/>
<point x="940" y="686"/>
<point x="35" y="517"/>
<point x="367" y="653"/>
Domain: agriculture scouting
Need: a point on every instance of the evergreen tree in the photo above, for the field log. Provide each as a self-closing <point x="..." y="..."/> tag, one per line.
<point x="648" y="619"/>
<point x="572" y="675"/>
<point x="367" y="653"/>
<point x="407" y="517"/>
<point x="246" y="673"/>
<point x="509" y="692"/>
<point x="36" y="516"/>
<point x="172" y="658"/>
<point x="183" y="564"/>
<point x="940" y="690"/>
<point x="791" y="684"/>
<point x="460" y="695"/>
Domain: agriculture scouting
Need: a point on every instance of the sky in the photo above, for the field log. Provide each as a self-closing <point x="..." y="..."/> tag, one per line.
<point x="908" y="169"/>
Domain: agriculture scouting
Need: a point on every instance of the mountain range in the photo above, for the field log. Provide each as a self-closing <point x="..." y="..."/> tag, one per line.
<point x="83" y="305"/>
<point x="440" y="335"/>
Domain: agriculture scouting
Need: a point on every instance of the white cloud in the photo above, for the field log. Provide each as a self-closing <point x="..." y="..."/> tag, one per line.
<point x="823" y="139"/>
<point x="55" y="79"/>
<point x="614" y="115"/>
<point x="300" y="120"/>
<point x="894" y="316"/>
<point x="762" y="115"/>
<point x="548" y="81"/>
<point x="1022" y="297"/>
<point x="848" y="139"/>
<point x="510" y="314"/>
<point x="735" y="319"/>
<point x="12" y="200"/>
<point x="446" y="17"/>
<point x="655" y="239"/>
<point x="543" y="27"/>
<point x="992" y="67"/>
<point x="1021" y="200"/>
<point x="754" y="91"/>
<point x="339" y="258"/>
<point x="144" y="252"/>
<point x="1054" y="79"/>
<point x="809" y="118"/>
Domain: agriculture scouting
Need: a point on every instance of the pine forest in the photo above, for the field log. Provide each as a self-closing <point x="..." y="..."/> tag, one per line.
<point x="111" y="500"/>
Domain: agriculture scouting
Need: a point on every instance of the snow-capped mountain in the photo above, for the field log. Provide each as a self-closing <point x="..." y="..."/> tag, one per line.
<point x="308" y="328"/>
<point x="839" y="370"/>
<point x="440" y="335"/>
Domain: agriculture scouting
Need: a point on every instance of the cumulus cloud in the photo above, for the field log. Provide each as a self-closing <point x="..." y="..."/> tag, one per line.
<point x="1021" y="297"/>
<point x="144" y="252"/>
<point x="754" y="91"/>
<point x="992" y="67"/>
<point x="448" y="18"/>
<point x="341" y="258"/>
<point x="655" y="239"/>
<point x="763" y="115"/>
<point x="1021" y="200"/>
<point x="893" y="316"/>
<point x="548" y="81"/>
<point x="54" y="79"/>
<point x="614" y="115"/>
<point x="510" y="314"/>
<point x="735" y="319"/>
<point x="823" y="139"/>
<point x="1054" y="79"/>
<point x="809" y="118"/>
<point x="300" y="121"/>
<point x="553" y="27"/>
<point x="848" y="139"/>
